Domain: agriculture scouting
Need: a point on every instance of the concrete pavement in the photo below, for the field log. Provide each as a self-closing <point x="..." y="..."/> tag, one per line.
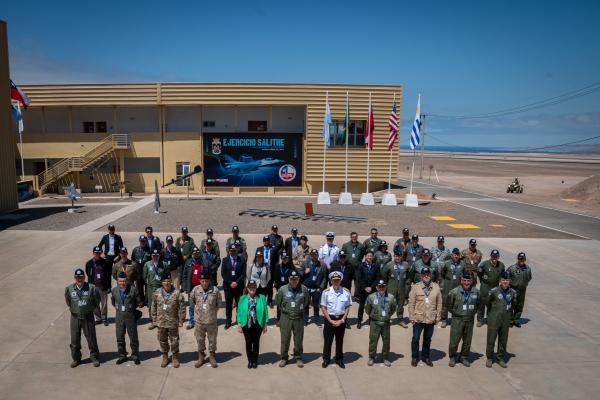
<point x="563" y="221"/>
<point x="555" y="355"/>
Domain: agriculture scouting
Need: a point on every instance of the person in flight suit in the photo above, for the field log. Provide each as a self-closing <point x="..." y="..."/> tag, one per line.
<point x="382" y="256"/>
<point x="125" y="299"/>
<point x="463" y="303"/>
<point x="185" y="244"/>
<point x="403" y="242"/>
<point x="205" y="299"/>
<point x="380" y="307"/>
<point x="140" y="256"/>
<point x="233" y="273"/>
<point x="82" y="298"/>
<point x="520" y="276"/>
<point x="126" y="265"/>
<point x="450" y="276"/>
<point x="424" y="261"/>
<point x="368" y="274"/>
<point x="211" y="258"/>
<point x="291" y="300"/>
<point x="500" y="302"/>
<point x="395" y="275"/>
<point x="314" y="274"/>
<point x="154" y="270"/>
<point x="413" y="251"/>
<point x="472" y="257"/>
<point x="210" y="236"/>
<point x="440" y="253"/>
<point x="373" y="242"/>
<point x="99" y="273"/>
<point x="173" y="258"/>
<point x="168" y="313"/>
<point x="489" y="275"/>
<point x="355" y="252"/>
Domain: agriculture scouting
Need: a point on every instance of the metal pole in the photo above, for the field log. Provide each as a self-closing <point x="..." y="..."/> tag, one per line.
<point x="412" y="172"/>
<point x="422" y="144"/>
<point x="347" y="134"/>
<point x="325" y="144"/>
<point x="390" y="174"/>
<point x="20" y="127"/>
<point x="369" y="142"/>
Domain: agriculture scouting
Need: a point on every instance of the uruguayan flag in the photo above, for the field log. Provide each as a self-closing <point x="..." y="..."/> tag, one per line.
<point x="415" y="137"/>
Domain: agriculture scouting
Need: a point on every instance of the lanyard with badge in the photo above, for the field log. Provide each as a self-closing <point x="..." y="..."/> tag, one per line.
<point x="507" y="298"/>
<point x="166" y="300"/>
<point x="283" y="272"/>
<point x="98" y="270"/>
<point x="398" y="270"/>
<point x="382" y="305"/>
<point x="426" y="290"/>
<point x="259" y="271"/>
<point x="466" y="297"/>
<point x="454" y="269"/>
<point x="79" y="293"/>
<point x="313" y="272"/>
<point x="156" y="271"/>
<point x="204" y="298"/>
<point x="293" y="294"/>
<point x="354" y="246"/>
<point x="123" y="294"/>
<point x="232" y="265"/>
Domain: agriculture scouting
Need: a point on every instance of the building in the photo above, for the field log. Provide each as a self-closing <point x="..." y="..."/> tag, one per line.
<point x="249" y="138"/>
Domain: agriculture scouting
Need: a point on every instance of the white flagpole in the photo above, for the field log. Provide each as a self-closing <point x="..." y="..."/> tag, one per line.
<point x="390" y="168"/>
<point x="412" y="172"/>
<point x="369" y="142"/>
<point x="347" y="133"/>
<point x="20" y="127"/>
<point x="325" y="144"/>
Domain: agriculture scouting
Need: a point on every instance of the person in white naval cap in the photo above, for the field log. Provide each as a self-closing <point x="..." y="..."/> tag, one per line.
<point x="335" y="305"/>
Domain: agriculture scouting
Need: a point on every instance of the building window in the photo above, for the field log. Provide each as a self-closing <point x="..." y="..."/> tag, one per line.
<point x="208" y="124"/>
<point x="257" y="126"/>
<point x="94" y="126"/>
<point x="356" y="137"/>
<point x="182" y="168"/>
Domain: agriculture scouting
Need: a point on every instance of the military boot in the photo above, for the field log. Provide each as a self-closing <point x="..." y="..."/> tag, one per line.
<point x="371" y="362"/>
<point x="282" y="363"/>
<point x="444" y="324"/>
<point x="488" y="363"/>
<point x="212" y="360"/>
<point x="75" y="363"/>
<point x="502" y="363"/>
<point x="387" y="363"/>
<point x="175" y="361"/>
<point x="165" y="360"/>
<point x="200" y="361"/>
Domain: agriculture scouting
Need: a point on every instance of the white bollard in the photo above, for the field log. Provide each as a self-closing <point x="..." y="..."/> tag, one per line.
<point x="323" y="198"/>
<point x="345" y="198"/>
<point x="366" y="199"/>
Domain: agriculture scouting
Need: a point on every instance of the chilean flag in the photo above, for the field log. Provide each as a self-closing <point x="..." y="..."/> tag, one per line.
<point x="18" y="95"/>
<point x="370" y="128"/>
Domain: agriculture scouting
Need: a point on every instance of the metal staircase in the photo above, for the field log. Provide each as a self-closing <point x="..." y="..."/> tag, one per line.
<point x="59" y="171"/>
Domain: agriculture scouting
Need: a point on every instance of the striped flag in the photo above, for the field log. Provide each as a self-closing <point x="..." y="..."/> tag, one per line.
<point x="393" y="122"/>
<point x="16" y="109"/>
<point x="415" y="136"/>
<point x="370" y="129"/>
<point x="327" y="122"/>
<point x="18" y="95"/>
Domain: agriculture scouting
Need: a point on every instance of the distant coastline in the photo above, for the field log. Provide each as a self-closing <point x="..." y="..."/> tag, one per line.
<point x="572" y="149"/>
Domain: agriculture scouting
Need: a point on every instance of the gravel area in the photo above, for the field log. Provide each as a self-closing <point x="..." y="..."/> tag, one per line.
<point x="222" y="213"/>
<point x="52" y="218"/>
<point x="57" y="199"/>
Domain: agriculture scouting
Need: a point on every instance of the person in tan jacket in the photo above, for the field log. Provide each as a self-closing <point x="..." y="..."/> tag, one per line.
<point x="424" y="311"/>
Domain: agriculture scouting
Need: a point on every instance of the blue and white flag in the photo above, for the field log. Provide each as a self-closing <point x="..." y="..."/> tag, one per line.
<point x="16" y="110"/>
<point x="415" y="136"/>
<point x="327" y="122"/>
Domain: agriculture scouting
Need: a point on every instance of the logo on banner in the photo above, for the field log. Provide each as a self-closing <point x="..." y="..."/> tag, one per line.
<point x="287" y="172"/>
<point x="216" y="146"/>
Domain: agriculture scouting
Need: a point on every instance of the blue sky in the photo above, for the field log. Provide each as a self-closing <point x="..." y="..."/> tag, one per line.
<point x="464" y="57"/>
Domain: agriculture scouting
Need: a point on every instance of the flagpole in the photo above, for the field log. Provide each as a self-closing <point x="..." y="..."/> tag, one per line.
<point x="369" y="143"/>
<point x="325" y="143"/>
<point x="347" y="128"/>
<point x="390" y="167"/>
<point x="20" y="127"/>
<point x="412" y="172"/>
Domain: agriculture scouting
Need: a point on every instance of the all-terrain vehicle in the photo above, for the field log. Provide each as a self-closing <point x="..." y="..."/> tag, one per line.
<point x="515" y="187"/>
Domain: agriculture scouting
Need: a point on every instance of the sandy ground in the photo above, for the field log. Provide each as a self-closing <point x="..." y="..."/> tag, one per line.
<point x="544" y="181"/>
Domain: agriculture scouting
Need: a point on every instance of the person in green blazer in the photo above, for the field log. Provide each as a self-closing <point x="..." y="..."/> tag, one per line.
<point x="252" y="319"/>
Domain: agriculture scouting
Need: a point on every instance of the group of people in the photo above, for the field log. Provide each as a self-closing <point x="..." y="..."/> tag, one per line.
<point x="295" y="277"/>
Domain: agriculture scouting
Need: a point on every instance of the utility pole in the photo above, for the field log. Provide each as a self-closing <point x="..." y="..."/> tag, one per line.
<point x="422" y="144"/>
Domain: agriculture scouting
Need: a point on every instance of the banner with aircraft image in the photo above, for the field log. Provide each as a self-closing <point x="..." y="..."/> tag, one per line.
<point x="252" y="159"/>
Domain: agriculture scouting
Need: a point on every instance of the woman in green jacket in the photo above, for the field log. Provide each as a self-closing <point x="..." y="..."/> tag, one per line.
<point x="252" y="319"/>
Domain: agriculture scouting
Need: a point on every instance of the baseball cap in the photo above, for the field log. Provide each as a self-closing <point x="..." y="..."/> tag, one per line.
<point x="265" y="238"/>
<point x="303" y="237"/>
<point x="259" y="253"/>
<point x="495" y="253"/>
<point x="381" y="282"/>
<point x="123" y="249"/>
<point x="472" y="241"/>
<point x="195" y="250"/>
<point x="466" y="275"/>
<point x="79" y="273"/>
<point x="184" y="229"/>
<point x="397" y="253"/>
<point x="209" y="230"/>
<point x="504" y="275"/>
<point x="251" y="283"/>
<point x="294" y="275"/>
<point x="426" y="252"/>
<point x="122" y="275"/>
<point x="425" y="270"/>
<point x="210" y="241"/>
<point x="142" y="238"/>
<point x="329" y="235"/>
<point x="314" y="251"/>
<point x="456" y="250"/>
<point x="235" y="228"/>
<point x="415" y="237"/>
<point x="166" y="275"/>
<point x="232" y="247"/>
<point x="97" y="249"/>
<point x="440" y="238"/>
<point x="405" y="230"/>
<point x="383" y="243"/>
<point x="111" y="227"/>
<point x="274" y="227"/>
<point x="342" y="253"/>
<point x="205" y="274"/>
<point x="294" y="230"/>
<point x="169" y="238"/>
<point x="284" y="254"/>
<point x="155" y="252"/>
<point x="521" y="256"/>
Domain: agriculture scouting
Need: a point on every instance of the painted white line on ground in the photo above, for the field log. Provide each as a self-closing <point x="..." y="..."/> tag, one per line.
<point x="521" y="220"/>
<point x="106" y="219"/>
<point x="76" y="205"/>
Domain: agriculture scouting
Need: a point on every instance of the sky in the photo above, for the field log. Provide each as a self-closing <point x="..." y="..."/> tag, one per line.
<point x="464" y="57"/>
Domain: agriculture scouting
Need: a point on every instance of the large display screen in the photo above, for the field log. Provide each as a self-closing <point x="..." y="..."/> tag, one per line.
<point x="252" y="159"/>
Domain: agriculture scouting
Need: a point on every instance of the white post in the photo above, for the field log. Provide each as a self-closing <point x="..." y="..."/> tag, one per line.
<point x="20" y="127"/>
<point x="323" y="196"/>
<point x="366" y="198"/>
<point x="324" y="162"/>
<point x="347" y="133"/>
<point x="390" y="174"/>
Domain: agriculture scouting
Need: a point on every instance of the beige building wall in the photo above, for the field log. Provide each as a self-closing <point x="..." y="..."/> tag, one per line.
<point x="187" y="146"/>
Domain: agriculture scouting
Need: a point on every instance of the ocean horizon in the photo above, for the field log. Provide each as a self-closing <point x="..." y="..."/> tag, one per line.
<point x="573" y="149"/>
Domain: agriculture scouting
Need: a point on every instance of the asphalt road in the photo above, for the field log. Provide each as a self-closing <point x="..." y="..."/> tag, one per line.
<point x="576" y="224"/>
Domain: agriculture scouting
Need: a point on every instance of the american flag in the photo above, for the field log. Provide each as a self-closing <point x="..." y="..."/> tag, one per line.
<point x="393" y="122"/>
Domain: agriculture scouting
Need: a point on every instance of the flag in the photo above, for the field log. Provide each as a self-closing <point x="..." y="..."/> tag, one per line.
<point x="370" y="129"/>
<point x="345" y="130"/>
<point x="18" y="95"/>
<point x="327" y="122"/>
<point x="415" y="136"/>
<point x="16" y="109"/>
<point x="393" y="122"/>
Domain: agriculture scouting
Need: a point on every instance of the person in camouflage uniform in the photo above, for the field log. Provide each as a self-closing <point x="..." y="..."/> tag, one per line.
<point x="520" y="276"/>
<point x="211" y="258"/>
<point x="402" y="243"/>
<point x="205" y="299"/>
<point x="380" y="307"/>
<point x="440" y="253"/>
<point x="215" y="245"/>
<point x="301" y="254"/>
<point x="489" y="274"/>
<point x="82" y="298"/>
<point x="168" y="313"/>
<point x="500" y="302"/>
<point x="463" y="302"/>
<point x="450" y="275"/>
<point x="126" y="265"/>
<point x="154" y="270"/>
<point x="395" y="275"/>
<point x="424" y="261"/>
<point x="472" y="258"/>
<point x="382" y="255"/>
<point x="240" y="242"/>
<point x="185" y="243"/>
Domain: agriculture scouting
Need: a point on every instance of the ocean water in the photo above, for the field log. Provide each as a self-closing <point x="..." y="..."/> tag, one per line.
<point x="580" y="149"/>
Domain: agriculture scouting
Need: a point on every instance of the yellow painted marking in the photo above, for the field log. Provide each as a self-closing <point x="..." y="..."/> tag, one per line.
<point x="570" y="200"/>
<point x="498" y="226"/>
<point x="463" y="226"/>
<point x="442" y="218"/>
